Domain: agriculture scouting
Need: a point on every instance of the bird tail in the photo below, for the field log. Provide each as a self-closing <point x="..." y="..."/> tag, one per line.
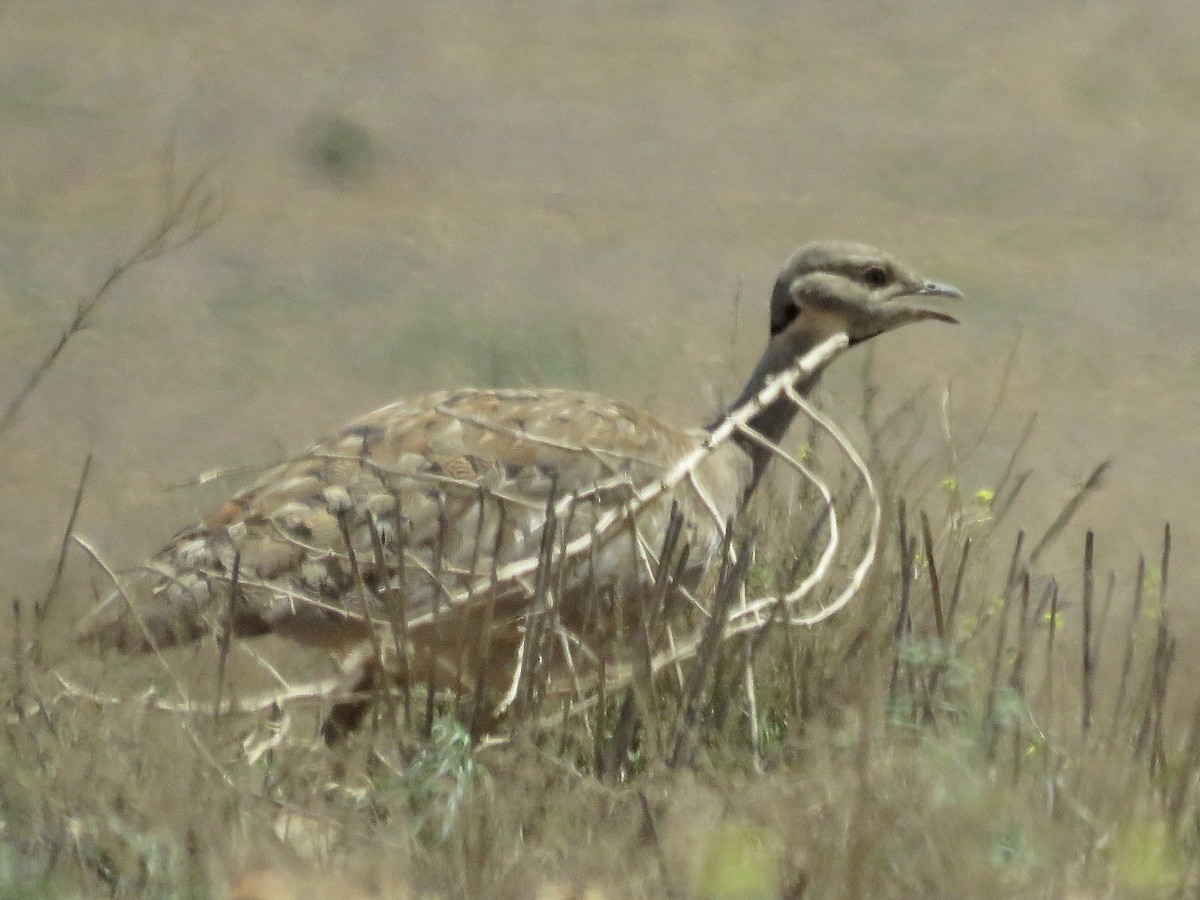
<point x="143" y="616"/>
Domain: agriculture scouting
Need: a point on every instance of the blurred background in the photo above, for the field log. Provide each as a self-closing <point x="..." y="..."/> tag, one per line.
<point x="428" y="194"/>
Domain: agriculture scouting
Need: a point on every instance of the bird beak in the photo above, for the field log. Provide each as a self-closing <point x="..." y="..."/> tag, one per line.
<point x="939" y="289"/>
<point x="890" y="313"/>
<point x="903" y="313"/>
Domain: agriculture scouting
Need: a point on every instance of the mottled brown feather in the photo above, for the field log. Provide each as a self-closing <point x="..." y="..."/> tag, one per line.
<point x="421" y="472"/>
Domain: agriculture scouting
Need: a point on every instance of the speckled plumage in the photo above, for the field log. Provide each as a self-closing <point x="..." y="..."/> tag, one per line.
<point x="419" y="473"/>
<point x="439" y="503"/>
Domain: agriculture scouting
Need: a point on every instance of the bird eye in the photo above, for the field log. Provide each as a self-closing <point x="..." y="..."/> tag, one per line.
<point x="875" y="276"/>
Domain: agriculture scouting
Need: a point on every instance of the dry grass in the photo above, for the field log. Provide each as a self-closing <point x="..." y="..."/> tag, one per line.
<point x="941" y="738"/>
<point x="966" y="728"/>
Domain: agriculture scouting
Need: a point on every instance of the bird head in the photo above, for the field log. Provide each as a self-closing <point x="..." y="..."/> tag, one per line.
<point x="832" y="286"/>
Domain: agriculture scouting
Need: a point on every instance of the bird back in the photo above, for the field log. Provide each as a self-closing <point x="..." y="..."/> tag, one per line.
<point x="426" y="514"/>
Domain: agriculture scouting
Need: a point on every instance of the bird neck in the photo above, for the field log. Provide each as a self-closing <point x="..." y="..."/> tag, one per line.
<point x="774" y="419"/>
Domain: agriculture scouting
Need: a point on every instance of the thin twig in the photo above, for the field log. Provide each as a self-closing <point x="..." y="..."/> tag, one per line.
<point x="185" y="218"/>
<point x="1093" y="482"/>
<point x="42" y="610"/>
<point x="1089" y="663"/>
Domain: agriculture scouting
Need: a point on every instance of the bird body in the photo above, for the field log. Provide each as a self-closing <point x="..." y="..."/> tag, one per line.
<point x="453" y="485"/>
<point x="424" y="515"/>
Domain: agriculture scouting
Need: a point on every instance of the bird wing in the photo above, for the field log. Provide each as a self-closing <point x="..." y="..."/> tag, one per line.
<point x="427" y="499"/>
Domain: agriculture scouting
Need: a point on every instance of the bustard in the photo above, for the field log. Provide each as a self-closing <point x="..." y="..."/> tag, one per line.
<point x="414" y="516"/>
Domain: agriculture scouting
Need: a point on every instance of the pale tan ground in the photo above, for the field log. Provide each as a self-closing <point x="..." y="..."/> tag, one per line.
<point x="576" y="195"/>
